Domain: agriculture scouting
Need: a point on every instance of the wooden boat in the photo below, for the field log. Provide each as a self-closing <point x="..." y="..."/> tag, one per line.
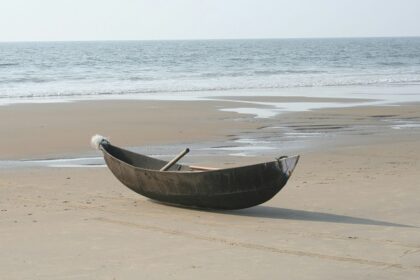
<point x="229" y="188"/>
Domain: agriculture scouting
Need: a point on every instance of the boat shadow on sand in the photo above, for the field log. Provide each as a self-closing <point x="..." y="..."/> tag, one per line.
<point x="270" y="212"/>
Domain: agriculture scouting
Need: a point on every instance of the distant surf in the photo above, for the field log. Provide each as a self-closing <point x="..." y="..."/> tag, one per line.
<point x="64" y="70"/>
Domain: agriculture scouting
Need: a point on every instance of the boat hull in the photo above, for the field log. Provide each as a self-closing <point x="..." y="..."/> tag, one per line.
<point x="232" y="188"/>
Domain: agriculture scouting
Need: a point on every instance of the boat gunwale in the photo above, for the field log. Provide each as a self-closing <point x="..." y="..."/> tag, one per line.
<point x="185" y="172"/>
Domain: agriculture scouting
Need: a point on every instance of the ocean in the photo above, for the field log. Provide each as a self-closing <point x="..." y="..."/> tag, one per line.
<point x="45" y="71"/>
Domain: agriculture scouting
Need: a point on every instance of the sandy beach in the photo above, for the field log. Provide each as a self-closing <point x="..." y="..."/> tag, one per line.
<point x="350" y="210"/>
<point x="308" y="111"/>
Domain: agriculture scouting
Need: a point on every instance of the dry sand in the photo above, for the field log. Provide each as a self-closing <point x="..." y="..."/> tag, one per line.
<point x="350" y="211"/>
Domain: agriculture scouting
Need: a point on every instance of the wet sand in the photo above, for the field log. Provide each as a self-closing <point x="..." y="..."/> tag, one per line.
<point x="36" y="130"/>
<point x="350" y="210"/>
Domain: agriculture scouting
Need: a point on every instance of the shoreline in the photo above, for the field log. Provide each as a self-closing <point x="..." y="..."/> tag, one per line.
<point x="30" y="133"/>
<point x="381" y="93"/>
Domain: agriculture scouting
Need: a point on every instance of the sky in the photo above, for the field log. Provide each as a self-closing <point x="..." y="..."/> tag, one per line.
<point x="77" y="20"/>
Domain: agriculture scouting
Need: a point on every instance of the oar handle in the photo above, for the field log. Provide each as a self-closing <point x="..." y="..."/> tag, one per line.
<point x="175" y="160"/>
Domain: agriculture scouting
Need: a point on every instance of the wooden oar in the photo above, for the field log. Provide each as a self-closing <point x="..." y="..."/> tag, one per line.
<point x="203" y="168"/>
<point x="175" y="160"/>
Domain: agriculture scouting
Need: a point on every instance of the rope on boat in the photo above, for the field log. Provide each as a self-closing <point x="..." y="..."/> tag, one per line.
<point x="97" y="140"/>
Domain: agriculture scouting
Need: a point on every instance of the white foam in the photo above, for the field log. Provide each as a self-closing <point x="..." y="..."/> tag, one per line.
<point x="239" y="154"/>
<point x="251" y="141"/>
<point x="303" y="134"/>
<point x="407" y="125"/>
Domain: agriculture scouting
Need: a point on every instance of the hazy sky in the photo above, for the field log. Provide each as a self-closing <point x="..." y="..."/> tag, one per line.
<point x="56" y="20"/>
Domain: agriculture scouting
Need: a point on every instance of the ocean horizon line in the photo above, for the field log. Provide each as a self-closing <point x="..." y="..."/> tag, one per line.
<point x="211" y="39"/>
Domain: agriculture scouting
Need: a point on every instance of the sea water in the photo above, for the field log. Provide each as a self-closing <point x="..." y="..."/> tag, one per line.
<point x="60" y="71"/>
